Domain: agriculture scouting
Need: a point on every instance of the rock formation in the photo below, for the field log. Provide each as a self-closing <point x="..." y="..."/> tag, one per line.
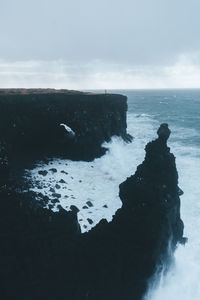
<point x="43" y="255"/>
<point x="30" y="122"/>
<point x="144" y="232"/>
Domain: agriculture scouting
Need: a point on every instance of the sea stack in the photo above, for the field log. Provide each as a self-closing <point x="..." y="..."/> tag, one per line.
<point x="143" y="234"/>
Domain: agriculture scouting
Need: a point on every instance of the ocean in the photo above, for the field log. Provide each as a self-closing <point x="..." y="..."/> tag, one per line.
<point x="93" y="186"/>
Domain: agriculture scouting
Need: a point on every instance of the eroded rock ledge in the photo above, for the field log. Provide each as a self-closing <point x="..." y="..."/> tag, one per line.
<point x="44" y="255"/>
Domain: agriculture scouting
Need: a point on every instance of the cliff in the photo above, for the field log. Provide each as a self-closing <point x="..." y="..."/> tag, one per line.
<point x="30" y="122"/>
<point x="44" y="255"/>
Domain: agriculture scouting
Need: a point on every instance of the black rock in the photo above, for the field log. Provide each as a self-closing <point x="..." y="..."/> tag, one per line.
<point x="55" y="200"/>
<point x="64" y="172"/>
<point x="74" y="209"/>
<point x="43" y="173"/>
<point x="85" y="207"/>
<point x="57" y="186"/>
<point x="62" y="181"/>
<point x="90" y="221"/>
<point x="53" y="170"/>
<point x="56" y="195"/>
<point x="89" y="203"/>
<point x="50" y="206"/>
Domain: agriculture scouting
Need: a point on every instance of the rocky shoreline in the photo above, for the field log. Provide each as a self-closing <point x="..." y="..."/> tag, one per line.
<point x="43" y="254"/>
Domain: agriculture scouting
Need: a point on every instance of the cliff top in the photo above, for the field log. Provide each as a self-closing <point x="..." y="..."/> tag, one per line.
<point x="13" y="91"/>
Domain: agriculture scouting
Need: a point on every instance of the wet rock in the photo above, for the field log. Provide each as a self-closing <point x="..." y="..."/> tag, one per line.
<point x="50" y="206"/>
<point x="62" y="181"/>
<point x="53" y="170"/>
<point x="163" y="132"/>
<point x="56" y="195"/>
<point x="64" y="172"/>
<point x="90" y="221"/>
<point x="55" y="200"/>
<point x="43" y="173"/>
<point x="59" y="207"/>
<point x="85" y="207"/>
<point x="180" y="192"/>
<point x="74" y="209"/>
<point x="89" y="203"/>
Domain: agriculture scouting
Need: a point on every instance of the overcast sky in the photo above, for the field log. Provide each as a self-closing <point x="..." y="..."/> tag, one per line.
<point x="100" y="44"/>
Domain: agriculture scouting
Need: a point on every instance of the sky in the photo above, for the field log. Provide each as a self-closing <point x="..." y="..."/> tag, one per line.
<point x="107" y="44"/>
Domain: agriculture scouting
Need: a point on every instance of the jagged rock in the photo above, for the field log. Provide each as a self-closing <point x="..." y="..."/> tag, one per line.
<point x="64" y="172"/>
<point x="43" y="172"/>
<point x="90" y="221"/>
<point x="164" y="132"/>
<point x="50" y="206"/>
<point x="55" y="200"/>
<point x="57" y="186"/>
<point x="85" y="207"/>
<point x="62" y="181"/>
<point x="53" y="170"/>
<point x="56" y="195"/>
<point x="89" y="203"/>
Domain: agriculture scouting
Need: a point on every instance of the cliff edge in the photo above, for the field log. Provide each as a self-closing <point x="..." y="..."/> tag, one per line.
<point x="43" y="122"/>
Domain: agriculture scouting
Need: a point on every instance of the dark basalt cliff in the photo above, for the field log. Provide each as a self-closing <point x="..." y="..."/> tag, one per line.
<point x="43" y="255"/>
<point x="30" y="122"/>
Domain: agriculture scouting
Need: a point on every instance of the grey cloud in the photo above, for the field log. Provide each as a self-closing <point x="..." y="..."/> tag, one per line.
<point x="145" y="32"/>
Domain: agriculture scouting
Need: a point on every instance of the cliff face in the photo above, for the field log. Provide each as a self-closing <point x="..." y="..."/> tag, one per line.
<point x="30" y="122"/>
<point x="45" y="256"/>
<point x="144" y="232"/>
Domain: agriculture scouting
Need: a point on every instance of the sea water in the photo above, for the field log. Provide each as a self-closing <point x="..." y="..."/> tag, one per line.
<point x="93" y="187"/>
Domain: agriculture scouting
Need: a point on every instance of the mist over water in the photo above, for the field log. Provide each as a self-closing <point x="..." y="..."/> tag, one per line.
<point x="100" y="179"/>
